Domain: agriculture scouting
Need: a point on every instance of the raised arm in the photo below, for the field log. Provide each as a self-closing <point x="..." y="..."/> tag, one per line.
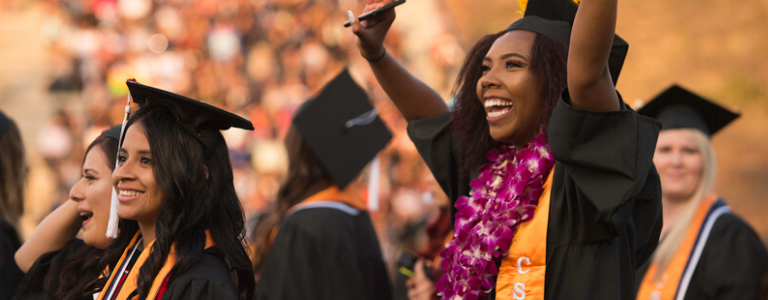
<point x="589" y="80"/>
<point x="53" y="233"/>
<point x="413" y="98"/>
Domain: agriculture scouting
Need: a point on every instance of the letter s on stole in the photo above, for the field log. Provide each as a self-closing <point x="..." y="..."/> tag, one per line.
<point x="519" y="291"/>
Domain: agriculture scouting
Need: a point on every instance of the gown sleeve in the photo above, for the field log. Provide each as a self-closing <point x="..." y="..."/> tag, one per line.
<point x="432" y="138"/>
<point x="733" y="263"/>
<point x="32" y="285"/>
<point x="10" y="274"/>
<point x="199" y="289"/>
<point x="604" y="166"/>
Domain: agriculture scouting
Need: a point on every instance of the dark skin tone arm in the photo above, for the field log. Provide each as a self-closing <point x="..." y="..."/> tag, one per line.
<point x="589" y="81"/>
<point x="413" y="98"/>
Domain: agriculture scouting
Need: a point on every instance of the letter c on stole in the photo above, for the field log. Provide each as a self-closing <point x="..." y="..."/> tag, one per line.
<point x="519" y="267"/>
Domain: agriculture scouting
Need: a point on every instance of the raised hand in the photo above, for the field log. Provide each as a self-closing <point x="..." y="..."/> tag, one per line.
<point x="371" y="33"/>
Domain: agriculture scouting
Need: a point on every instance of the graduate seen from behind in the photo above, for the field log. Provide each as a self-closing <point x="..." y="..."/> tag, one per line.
<point x="319" y="242"/>
<point x="706" y="252"/>
<point x="57" y="264"/>
<point x="181" y="223"/>
<point x="551" y="176"/>
<point x="13" y="171"/>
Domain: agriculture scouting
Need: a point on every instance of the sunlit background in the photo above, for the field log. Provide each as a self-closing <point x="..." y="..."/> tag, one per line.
<point x="63" y="65"/>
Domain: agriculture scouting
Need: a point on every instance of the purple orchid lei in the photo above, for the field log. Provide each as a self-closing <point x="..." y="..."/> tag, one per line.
<point x="503" y="196"/>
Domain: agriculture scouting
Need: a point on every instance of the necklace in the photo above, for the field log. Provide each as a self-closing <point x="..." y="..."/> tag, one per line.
<point x="503" y="196"/>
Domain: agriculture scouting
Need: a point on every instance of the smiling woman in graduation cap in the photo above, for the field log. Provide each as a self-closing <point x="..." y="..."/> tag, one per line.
<point x="319" y="242"/>
<point x="181" y="224"/>
<point x="706" y="251"/>
<point x="551" y="174"/>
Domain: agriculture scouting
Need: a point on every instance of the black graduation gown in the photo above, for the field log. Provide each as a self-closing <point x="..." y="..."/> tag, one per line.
<point x="32" y="287"/>
<point x="605" y="209"/>
<point x="325" y="253"/>
<point x="208" y="279"/>
<point x="732" y="264"/>
<point x="10" y="274"/>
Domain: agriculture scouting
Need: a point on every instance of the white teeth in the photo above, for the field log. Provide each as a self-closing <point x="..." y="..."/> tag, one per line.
<point x="130" y="193"/>
<point x="496" y="102"/>
<point x="494" y="114"/>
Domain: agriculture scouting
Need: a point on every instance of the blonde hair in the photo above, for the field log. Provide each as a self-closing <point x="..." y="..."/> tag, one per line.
<point x="12" y="174"/>
<point x="667" y="250"/>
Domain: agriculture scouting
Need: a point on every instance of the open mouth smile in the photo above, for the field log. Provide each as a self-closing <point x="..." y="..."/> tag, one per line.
<point x="497" y="108"/>
<point x="85" y="216"/>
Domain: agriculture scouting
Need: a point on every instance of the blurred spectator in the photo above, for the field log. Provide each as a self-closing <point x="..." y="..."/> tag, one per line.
<point x="259" y="59"/>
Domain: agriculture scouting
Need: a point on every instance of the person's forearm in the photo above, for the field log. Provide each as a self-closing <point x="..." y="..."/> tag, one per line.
<point x="53" y="233"/>
<point x="413" y="98"/>
<point x="589" y="79"/>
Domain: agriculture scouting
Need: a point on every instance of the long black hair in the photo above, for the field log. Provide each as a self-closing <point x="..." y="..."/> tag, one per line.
<point x="200" y="195"/>
<point x="470" y="128"/>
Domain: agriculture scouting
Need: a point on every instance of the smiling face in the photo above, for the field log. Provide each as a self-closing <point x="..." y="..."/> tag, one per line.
<point x="509" y="89"/>
<point x="92" y="193"/>
<point x="140" y="196"/>
<point x="679" y="162"/>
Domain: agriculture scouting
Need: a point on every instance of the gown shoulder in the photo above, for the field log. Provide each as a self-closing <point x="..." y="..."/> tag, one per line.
<point x="208" y="279"/>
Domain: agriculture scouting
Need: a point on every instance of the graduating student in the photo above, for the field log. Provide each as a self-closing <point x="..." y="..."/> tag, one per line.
<point x="12" y="176"/>
<point x="181" y="224"/>
<point x="555" y="193"/>
<point x="57" y="264"/>
<point x="706" y="252"/>
<point x="325" y="246"/>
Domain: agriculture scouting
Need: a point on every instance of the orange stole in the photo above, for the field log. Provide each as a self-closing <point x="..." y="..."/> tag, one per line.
<point x="521" y="275"/>
<point x="666" y="287"/>
<point x="130" y="283"/>
<point x="347" y="196"/>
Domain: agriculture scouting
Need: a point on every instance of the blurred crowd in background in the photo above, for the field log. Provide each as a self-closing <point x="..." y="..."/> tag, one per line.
<point x="263" y="58"/>
<point x="260" y="59"/>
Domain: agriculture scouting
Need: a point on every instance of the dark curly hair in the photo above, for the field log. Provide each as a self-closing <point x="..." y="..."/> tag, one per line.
<point x="470" y="129"/>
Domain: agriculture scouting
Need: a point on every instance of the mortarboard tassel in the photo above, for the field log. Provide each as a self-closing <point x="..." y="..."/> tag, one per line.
<point x="373" y="185"/>
<point x="113" y="217"/>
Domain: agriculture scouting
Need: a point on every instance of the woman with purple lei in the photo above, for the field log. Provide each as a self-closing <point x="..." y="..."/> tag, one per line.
<point x="551" y="175"/>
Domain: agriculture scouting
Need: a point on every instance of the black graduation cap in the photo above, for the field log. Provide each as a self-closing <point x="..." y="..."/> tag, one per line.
<point x="201" y="119"/>
<point x="677" y="108"/>
<point x="4" y="123"/>
<point x="342" y="128"/>
<point x="113" y="132"/>
<point x="554" y="18"/>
